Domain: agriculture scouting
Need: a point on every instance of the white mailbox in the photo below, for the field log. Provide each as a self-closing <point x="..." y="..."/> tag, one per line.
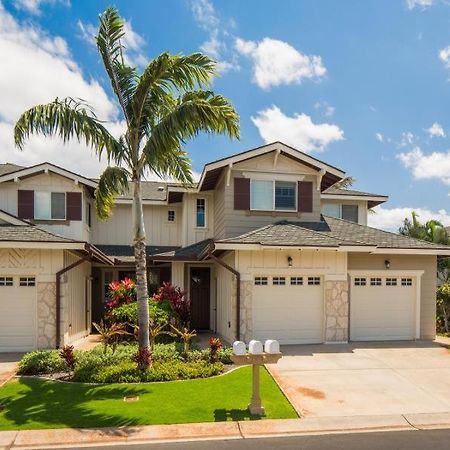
<point x="239" y="348"/>
<point x="255" y="347"/>
<point x="272" y="346"/>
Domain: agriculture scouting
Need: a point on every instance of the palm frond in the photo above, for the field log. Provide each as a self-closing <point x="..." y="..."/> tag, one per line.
<point x="345" y="183"/>
<point x="67" y="119"/>
<point x="113" y="182"/>
<point x="123" y="78"/>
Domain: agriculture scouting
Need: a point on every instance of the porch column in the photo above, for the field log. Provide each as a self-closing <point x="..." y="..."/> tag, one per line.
<point x="336" y="310"/>
<point x="178" y="274"/>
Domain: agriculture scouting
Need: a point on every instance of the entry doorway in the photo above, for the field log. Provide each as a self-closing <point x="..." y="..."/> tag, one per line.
<point x="200" y="290"/>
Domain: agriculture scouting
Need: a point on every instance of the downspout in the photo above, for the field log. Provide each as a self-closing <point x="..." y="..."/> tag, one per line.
<point x="238" y="291"/>
<point x="58" y="292"/>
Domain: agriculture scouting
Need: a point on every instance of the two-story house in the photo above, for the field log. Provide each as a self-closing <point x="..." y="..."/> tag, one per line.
<point x="263" y="244"/>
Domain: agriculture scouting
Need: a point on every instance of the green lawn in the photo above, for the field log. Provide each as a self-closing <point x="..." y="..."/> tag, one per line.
<point x="32" y="403"/>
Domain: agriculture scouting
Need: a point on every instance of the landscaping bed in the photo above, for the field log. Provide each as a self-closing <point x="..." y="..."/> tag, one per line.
<point x="170" y="363"/>
<point x="33" y="403"/>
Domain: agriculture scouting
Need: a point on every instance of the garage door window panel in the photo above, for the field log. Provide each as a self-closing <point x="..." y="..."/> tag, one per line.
<point x="261" y="281"/>
<point x="360" y="281"/>
<point x="376" y="282"/>
<point x="6" y="281"/>
<point x="279" y="281"/>
<point x="406" y="281"/>
<point x="27" y="281"/>
<point x="391" y="281"/>
<point x="296" y="281"/>
<point x="313" y="281"/>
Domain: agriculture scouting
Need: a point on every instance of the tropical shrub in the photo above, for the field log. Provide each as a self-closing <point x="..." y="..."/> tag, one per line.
<point x="178" y="300"/>
<point x="215" y="344"/>
<point x="41" y="362"/>
<point x="110" y="334"/>
<point x="160" y="312"/>
<point x="68" y="356"/>
<point x="186" y="336"/>
<point x="443" y="307"/>
<point x="121" y="292"/>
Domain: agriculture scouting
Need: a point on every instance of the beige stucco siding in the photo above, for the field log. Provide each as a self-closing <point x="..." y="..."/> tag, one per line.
<point x="225" y="300"/>
<point x="236" y="222"/>
<point x="219" y="209"/>
<point x="75" y="229"/>
<point x="362" y="261"/>
<point x="75" y="299"/>
<point x="118" y="228"/>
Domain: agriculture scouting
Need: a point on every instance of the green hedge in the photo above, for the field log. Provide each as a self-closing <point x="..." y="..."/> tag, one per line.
<point x="41" y="362"/>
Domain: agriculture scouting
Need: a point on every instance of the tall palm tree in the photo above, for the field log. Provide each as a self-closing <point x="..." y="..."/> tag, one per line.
<point x="163" y="107"/>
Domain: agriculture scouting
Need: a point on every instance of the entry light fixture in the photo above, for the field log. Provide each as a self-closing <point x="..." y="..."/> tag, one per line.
<point x="289" y="261"/>
<point x="387" y="264"/>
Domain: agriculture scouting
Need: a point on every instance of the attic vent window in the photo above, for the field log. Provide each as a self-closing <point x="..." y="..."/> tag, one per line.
<point x="171" y="215"/>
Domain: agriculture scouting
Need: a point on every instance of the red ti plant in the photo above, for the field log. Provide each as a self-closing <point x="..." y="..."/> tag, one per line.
<point x="215" y="344"/>
<point x="68" y="356"/>
<point x="143" y="358"/>
<point x="180" y="304"/>
<point x="120" y="292"/>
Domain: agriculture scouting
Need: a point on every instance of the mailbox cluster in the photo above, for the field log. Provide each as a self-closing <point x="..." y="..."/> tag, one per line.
<point x="256" y="347"/>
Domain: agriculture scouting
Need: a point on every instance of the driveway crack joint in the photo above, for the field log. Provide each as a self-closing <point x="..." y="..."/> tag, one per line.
<point x="240" y="430"/>
<point x="410" y="424"/>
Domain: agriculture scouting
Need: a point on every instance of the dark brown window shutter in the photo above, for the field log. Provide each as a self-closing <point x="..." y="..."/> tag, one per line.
<point x="305" y="196"/>
<point x="73" y="206"/>
<point x="25" y="204"/>
<point x="242" y="193"/>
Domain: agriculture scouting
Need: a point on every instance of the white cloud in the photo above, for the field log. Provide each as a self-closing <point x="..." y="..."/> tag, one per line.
<point x="436" y="130"/>
<point x="54" y="74"/>
<point x="34" y="6"/>
<point x="132" y="41"/>
<point x="215" y="46"/>
<point x="298" y="131"/>
<point x="444" y="56"/>
<point x="392" y="218"/>
<point x="407" y="138"/>
<point x="379" y="137"/>
<point x="326" y="108"/>
<point x="411" y="4"/>
<point x="276" y="62"/>
<point x="434" y="165"/>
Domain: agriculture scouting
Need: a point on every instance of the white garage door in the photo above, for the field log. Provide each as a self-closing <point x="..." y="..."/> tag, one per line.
<point x="382" y="308"/>
<point x="288" y="308"/>
<point x="17" y="313"/>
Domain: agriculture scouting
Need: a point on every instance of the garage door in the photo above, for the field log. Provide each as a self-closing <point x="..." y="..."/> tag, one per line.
<point x="382" y="308"/>
<point x="17" y="313"/>
<point x="288" y="308"/>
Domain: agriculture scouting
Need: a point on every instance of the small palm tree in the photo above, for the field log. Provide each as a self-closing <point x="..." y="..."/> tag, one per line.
<point x="163" y="107"/>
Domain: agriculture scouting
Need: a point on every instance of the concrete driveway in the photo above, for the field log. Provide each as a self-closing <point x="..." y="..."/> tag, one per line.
<point x="8" y="365"/>
<point x="365" y="379"/>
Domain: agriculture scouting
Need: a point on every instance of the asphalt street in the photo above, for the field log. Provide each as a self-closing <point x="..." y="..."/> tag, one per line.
<point x="401" y="440"/>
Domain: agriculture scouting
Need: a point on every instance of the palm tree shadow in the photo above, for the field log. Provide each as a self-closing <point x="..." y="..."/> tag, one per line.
<point x="223" y="415"/>
<point x="47" y="402"/>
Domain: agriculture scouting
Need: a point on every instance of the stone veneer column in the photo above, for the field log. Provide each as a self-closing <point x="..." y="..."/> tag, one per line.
<point x="336" y="311"/>
<point x="246" y="311"/>
<point x="46" y="315"/>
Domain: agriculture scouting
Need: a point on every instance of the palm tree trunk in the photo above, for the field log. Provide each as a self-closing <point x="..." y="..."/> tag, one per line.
<point x="140" y="256"/>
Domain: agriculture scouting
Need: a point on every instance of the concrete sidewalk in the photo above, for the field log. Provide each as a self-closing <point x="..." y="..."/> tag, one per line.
<point x="67" y="437"/>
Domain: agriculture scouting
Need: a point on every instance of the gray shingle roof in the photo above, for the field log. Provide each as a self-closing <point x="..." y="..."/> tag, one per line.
<point x="329" y="232"/>
<point x="336" y="191"/>
<point x="9" y="168"/>
<point x="29" y="233"/>
<point x="191" y="252"/>
<point x="126" y="252"/>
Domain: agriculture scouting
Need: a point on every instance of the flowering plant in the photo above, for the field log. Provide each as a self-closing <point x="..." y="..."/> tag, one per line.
<point x="121" y="292"/>
<point x="215" y="344"/>
<point x="180" y="304"/>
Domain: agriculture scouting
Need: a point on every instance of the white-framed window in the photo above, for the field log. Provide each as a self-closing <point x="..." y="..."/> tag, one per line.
<point x="391" y="281"/>
<point x="27" y="281"/>
<point x="171" y="215"/>
<point x="6" y="281"/>
<point x="296" y="281"/>
<point x="406" y="281"/>
<point x="273" y="195"/>
<point x="313" y="281"/>
<point x="279" y="281"/>
<point x="341" y="211"/>
<point x="49" y="205"/>
<point x="375" y="282"/>
<point x="200" y="216"/>
<point x="360" y="282"/>
<point x="261" y="281"/>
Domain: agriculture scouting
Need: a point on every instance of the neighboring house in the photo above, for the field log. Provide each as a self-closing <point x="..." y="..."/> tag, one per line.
<point x="263" y="244"/>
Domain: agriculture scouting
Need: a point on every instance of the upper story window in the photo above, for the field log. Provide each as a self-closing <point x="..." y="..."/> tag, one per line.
<point x="346" y="212"/>
<point x="201" y="212"/>
<point x="49" y="205"/>
<point x="268" y="195"/>
<point x="171" y="215"/>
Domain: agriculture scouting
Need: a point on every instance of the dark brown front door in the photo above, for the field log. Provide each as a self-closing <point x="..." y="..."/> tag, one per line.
<point x="200" y="290"/>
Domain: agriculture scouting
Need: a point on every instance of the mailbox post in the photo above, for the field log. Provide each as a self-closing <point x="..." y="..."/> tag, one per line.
<point x="256" y="357"/>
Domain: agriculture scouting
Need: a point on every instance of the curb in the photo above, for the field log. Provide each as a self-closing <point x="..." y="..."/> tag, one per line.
<point x="92" y="437"/>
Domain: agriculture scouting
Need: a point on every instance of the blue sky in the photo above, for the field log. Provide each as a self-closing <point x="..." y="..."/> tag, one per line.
<point x="363" y="85"/>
